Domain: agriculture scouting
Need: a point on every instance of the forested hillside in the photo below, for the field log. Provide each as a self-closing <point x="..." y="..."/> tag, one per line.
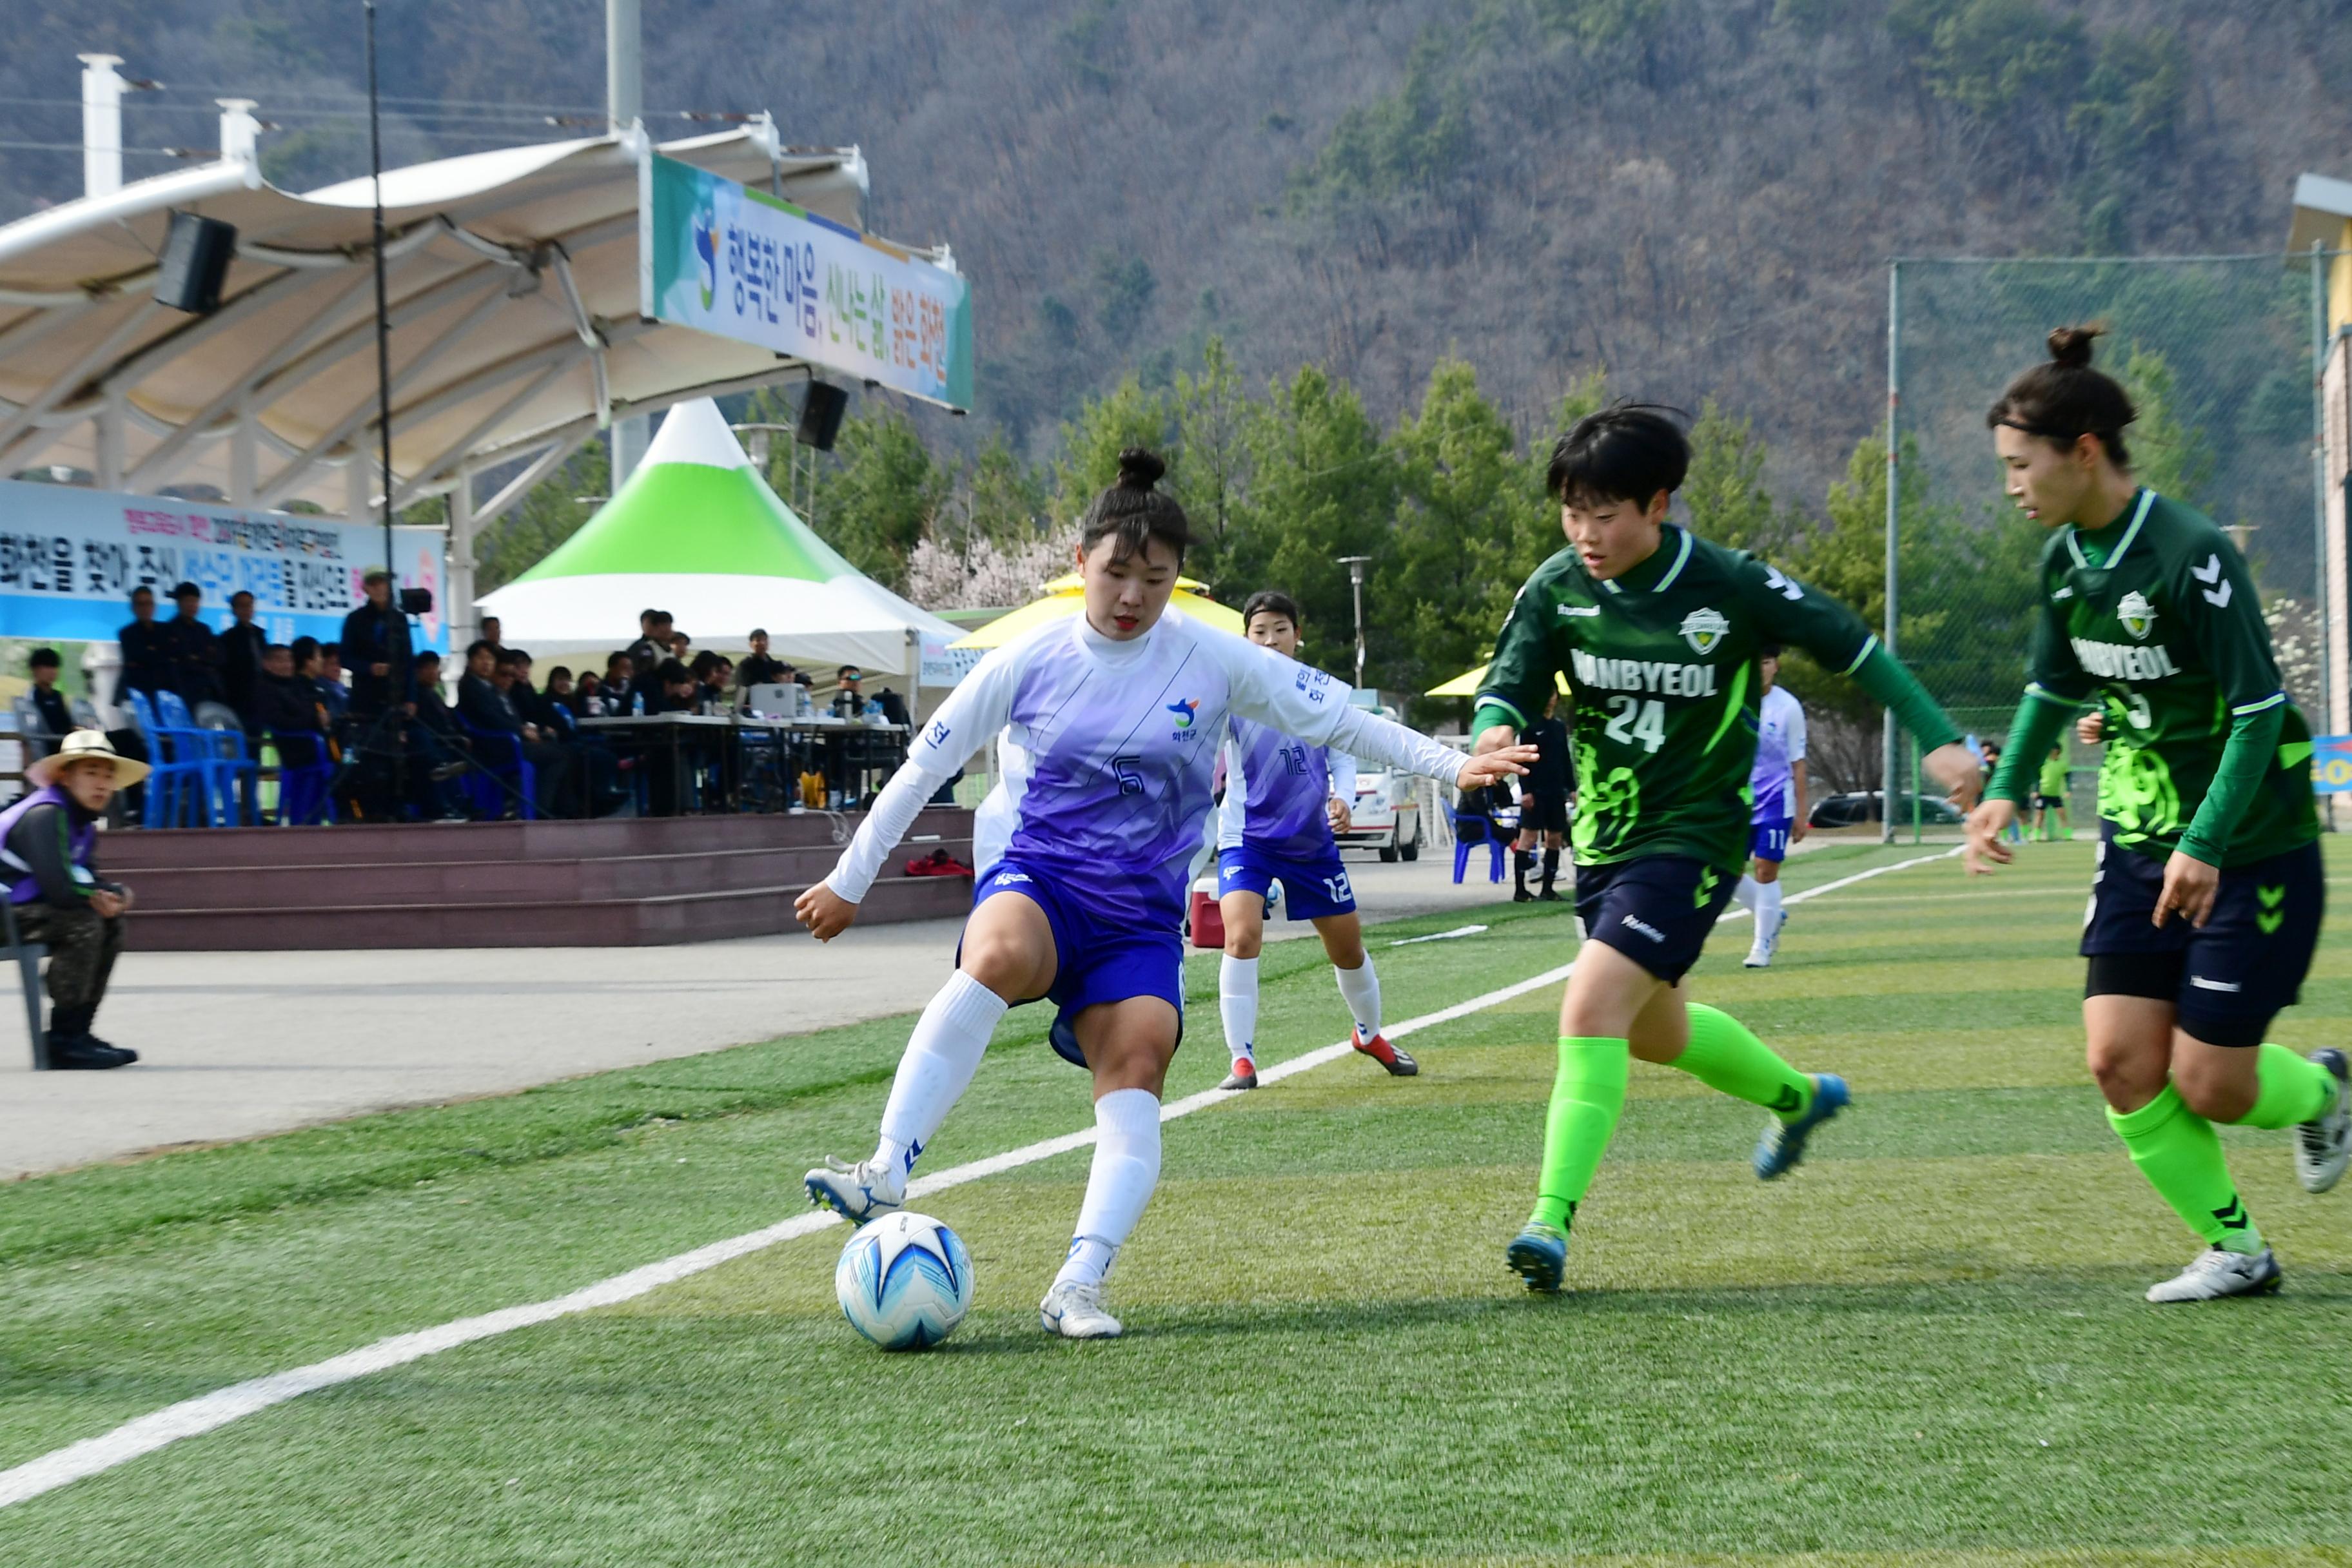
<point x="1411" y="227"/>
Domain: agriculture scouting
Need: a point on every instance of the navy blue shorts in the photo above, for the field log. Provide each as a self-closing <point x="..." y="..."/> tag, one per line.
<point x="1543" y="811"/>
<point x="1769" y="840"/>
<point x="1655" y="909"/>
<point x="1311" y="888"/>
<point x="1093" y="963"/>
<point x="2228" y="981"/>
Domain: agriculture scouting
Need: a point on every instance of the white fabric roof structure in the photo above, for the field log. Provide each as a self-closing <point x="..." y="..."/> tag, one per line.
<point x="513" y="299"/>
<point x="697" y="532"/>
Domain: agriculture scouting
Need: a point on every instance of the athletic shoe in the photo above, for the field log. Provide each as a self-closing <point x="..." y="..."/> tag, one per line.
<point x="857" y="1193"/>
<point x="2323" y="1145"/>
<point x="1075" y="1311"/>
<point x="1767" y="943"/>
<point x="1243" y="1076"/>
<point x="1538" y="1255"/>
<point x="1399" y="1063"/>
<point x="2214" y="1273"/>
<point x="1783" y="1143"/>
<point x="125" y="1052"/>
<point x="79" y="1053"/>
<point x="1523" y="897"/>
<point x="1549" y="896"/>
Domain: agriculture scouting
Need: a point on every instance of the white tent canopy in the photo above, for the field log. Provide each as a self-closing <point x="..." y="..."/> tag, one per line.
<point x="697" y="532"/>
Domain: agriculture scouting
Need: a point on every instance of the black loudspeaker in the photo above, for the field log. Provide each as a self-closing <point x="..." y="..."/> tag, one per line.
<point x="822" y="407"/>
<point x="416" y="601"/>
<point x="196" y="253"/>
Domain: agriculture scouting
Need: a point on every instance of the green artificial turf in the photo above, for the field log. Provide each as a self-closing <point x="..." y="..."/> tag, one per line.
<point x="1926" y="1347"/>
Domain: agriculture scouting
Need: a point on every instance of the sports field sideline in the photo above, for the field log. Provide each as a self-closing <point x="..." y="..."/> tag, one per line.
<point x="1926" y="1345"/>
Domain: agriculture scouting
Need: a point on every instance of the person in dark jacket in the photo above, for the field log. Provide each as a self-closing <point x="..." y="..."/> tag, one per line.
<point x="55" y="717"/>
<point x="1543" y="806"/>
<point x="145" y="670"/>
<point x="191" y="650"/>
<point x="48" y="842"/>
<point x="757" y="668"/>
<point x="332" y="689"/>
<point x="652" y="646"/>
<point x="242" y="646"/>
<point x="375" y="647"/>
<point x="486" y="707"/>
<point x="287" y="707"/>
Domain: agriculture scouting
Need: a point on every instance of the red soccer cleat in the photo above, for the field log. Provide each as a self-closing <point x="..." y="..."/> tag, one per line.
<point x="1399" y="1063"/>
<point x="1245" y="1075"/>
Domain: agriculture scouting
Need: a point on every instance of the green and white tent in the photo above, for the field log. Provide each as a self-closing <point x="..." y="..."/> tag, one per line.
<point x="697" y="532"/>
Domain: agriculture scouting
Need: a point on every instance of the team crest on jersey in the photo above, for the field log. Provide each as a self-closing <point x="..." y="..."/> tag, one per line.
<point x="1703" y="629"/>
<point x="1184" y="711"/>
<point x="2136" y="614"/>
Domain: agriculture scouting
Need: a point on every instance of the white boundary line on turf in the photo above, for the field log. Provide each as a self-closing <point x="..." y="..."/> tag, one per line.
<point x="193" y="1417"/>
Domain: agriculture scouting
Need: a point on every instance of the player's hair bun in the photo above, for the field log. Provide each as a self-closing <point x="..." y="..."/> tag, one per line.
<point x="1139" y="469"/>
<point x="2070" y="346"/>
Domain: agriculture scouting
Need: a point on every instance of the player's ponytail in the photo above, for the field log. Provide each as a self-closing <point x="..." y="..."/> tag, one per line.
<point x="1135" y="510"/>
<point x="2064" y="400"/>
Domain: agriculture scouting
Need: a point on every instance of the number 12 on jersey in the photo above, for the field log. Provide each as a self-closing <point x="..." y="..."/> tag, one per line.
<point x="1637" y="719"/>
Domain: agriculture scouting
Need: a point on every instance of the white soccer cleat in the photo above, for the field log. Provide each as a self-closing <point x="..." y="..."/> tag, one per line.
<point x="2214" y="1273"/>
<point x="857" y="1193"/>
<point x="2323" y="1145"/>
<point x="1767" y="941"/>
<point x="1075" y="1311"/>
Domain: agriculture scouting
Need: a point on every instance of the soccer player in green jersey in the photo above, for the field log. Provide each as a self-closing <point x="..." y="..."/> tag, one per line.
<point x="2049" y="799"/>
<point x="2206" y="908"/>
<point x="1658" y="633"/>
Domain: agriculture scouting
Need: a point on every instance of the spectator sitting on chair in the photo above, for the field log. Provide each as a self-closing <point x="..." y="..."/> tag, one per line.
<point x="708" y="687"/>
<point x="55" y="715"/>
<point x="241" y="648"/>
<point x="725" y="671"/>
<point x="849" y="697"/>
<point x="587" y="696"/>
<point x="482" y="698"/>
<point x="50" y="837"/>
<point x="757" y="668"/>
<point x="333" y="691"/>
<point x="436" y="737"/>
<point x="620" y="683"/>
<point x="681" y="647"/>
<point x="287" y="707"/>
<point x="145" y="667"/>
<point x="191" y="651"/>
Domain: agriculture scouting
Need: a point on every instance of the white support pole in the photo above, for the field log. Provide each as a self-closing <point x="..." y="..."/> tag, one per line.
<point x="111" y="418"/>
<point x="359" y="502"/>
<point x="101" y="125"/>
<point x="458" y="614"/>
<point x="244" y="462"/>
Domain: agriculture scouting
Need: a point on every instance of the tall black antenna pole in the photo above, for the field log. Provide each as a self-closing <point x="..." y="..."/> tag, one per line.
<point x="395" y="679"/>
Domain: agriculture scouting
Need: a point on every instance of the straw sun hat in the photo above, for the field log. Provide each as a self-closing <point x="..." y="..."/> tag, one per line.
<point x="84" y="746"/>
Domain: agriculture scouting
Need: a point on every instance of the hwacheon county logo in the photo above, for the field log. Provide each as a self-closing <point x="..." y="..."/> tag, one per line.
<point x="2136" y="614"/>
<point x="1705" y="628"/>
<point x="1184" y="712"/>
<point x="706" y="251"/>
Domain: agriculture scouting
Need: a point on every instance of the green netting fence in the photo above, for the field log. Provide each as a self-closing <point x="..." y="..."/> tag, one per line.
<point x="2219" y="352"/>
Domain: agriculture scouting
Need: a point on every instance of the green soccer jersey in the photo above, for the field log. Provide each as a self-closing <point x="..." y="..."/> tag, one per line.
<point x="2157" y="616"/>
<point x="1661" y="663"/>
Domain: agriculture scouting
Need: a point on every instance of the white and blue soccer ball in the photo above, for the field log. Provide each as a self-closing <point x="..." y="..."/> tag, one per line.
<point x="904" y="1281"/>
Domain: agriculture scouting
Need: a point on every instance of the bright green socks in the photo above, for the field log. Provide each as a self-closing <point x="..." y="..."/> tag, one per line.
<point x="1587" y="1093"/>
<point x="2176" y="1151"/>
<point x="2289" y="1088"/>
<point x="1723" y="1054"/>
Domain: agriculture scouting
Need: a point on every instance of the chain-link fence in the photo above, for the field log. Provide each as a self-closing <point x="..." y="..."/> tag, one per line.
<point x="2217" y="353"/>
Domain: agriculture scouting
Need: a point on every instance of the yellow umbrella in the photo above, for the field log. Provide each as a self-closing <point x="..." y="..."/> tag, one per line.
<point x="1065" y="596"/>
<point x="1466" y="685"/>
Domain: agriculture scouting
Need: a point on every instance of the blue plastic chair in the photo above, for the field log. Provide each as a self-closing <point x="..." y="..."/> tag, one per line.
<point x="177" y="788"/>
<point x="498" y="755"/>
<point x="1469" y="829"/>
<point x="230" y="776"/>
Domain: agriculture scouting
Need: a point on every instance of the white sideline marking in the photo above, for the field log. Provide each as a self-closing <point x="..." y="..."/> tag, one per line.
<point x="1438" y="936"/>
<point x="192" y="1417"/>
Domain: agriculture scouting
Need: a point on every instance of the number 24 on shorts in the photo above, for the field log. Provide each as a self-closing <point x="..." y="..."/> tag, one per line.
<point x="1637" y="718"/>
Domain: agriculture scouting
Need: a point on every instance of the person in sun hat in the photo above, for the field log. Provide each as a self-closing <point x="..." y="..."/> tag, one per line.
<point x="48" y="843"/>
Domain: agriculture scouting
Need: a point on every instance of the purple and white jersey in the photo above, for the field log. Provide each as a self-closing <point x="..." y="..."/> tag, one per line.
<point x="1107" y="750"/>
<point x="1780" y="743"/>
<point x="1277" y="787"/>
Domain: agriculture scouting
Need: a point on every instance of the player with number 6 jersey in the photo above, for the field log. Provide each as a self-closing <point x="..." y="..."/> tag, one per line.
<point x="1658" y="633"/>
<point x="2205" y="911"/>
<point x="1284" y="797"/>
<point x="1107" y="726"/>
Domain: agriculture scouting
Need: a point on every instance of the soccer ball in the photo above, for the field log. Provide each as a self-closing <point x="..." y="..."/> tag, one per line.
<point x="904" y="1281"/>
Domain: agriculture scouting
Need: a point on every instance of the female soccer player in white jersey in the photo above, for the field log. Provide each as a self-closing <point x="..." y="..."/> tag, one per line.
<point x="1284" y="797"/>
<point x="1109" y="723"/>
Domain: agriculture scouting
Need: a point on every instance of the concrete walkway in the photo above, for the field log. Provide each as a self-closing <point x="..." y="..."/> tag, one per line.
<point x="235" y="1043"/>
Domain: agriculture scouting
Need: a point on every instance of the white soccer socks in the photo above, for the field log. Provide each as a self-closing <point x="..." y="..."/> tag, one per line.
<point x="1237" y="1006"/>
<point x="1768" y="907"/>
<point x="1361" y="990"/>
<point x="1126" y="1168"/>
<point x="942" y="1056"/>
<point x="1744" y="894"/>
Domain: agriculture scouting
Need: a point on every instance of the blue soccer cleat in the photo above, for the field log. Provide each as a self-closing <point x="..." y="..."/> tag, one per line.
<point x="1783" y="1143"/>
<point x="1538" y="1255"/>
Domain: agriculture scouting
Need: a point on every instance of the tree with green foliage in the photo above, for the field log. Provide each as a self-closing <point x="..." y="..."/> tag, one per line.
<point x="1324" y="486"/>
<point x="1214" y="414"/>
<point x="553" y="512"/>
<point x="883" y="491"/>
<point x="1724" y="489"/>
<point x="1127" y="415"/>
